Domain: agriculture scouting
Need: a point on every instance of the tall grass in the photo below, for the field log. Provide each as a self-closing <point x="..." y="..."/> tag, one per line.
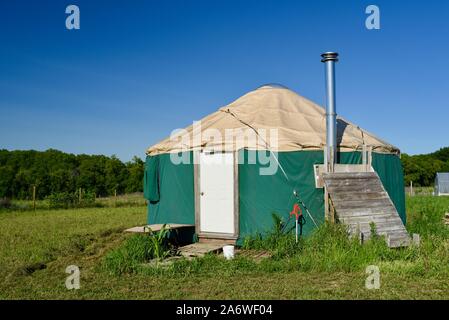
<point x="425" y="215"/>
<point x="278" y="241"/>
<point x="325" y="264"/>
<point x="70" y="201"/>
<point x="138" y="249"/>
<point x="329" y="249"/>
<point x="128" y="257"/>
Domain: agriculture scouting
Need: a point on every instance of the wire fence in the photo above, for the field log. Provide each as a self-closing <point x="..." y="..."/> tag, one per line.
<point x="419" y="191"/>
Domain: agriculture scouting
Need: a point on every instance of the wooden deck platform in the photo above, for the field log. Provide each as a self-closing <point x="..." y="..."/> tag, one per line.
<point x="199" y="249"/>
<point x="360" y="199"/>
<point x="157" y="227"/>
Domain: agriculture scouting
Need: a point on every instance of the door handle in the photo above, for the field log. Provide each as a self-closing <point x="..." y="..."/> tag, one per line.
<point x="202" y="193"/>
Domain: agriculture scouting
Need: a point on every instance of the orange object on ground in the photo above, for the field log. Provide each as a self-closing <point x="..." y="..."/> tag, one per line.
<point x="296" y="211"/>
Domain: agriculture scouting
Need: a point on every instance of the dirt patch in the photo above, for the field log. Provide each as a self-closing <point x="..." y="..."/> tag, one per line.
<point x="30" y="269"/>
<point x="109" y="232"/>
<point x="256" y="255"/>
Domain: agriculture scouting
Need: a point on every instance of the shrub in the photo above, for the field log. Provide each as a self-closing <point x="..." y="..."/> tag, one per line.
<point x="64" y="200"/>
<point x="5" y="203"/>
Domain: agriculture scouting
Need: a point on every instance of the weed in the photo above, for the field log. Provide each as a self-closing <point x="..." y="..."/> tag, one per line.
<point x="159" y="243"/>
<point x="137" y="250"/>
<point x="279" y="240"/>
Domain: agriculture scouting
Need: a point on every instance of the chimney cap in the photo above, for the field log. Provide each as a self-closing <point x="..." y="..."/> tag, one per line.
<point x="329" y="56"/>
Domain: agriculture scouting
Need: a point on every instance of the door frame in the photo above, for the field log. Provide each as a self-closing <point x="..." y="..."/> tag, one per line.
<point x="197" y="190"/>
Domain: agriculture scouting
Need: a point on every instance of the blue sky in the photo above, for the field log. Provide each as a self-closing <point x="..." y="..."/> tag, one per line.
<point x="138" y="69"/>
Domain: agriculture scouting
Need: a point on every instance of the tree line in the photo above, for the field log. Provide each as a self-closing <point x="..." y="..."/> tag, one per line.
<point x="422" y="168"/>
<point x="53" y="171"/>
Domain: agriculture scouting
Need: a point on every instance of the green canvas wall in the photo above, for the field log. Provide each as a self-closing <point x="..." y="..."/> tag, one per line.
<point x="260" y="195"/>
<point x="176" y="196"/>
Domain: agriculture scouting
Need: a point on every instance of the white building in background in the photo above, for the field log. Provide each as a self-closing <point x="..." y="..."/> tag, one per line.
<point x="442" y="184"/>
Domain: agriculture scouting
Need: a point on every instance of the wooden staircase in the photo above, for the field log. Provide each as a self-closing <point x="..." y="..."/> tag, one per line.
<point x="359" y="199"/>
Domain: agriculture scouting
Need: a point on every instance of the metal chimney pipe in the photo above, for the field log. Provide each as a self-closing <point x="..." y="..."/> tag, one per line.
<point x="329" y="59"/>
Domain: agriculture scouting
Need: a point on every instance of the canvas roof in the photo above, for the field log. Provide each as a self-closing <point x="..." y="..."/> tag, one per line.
<point x="300" y="124"/>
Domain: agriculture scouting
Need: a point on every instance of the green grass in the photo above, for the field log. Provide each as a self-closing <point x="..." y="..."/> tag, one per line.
<point x="420" y="191"/>
<point x="29" y="238"/>
<point x="36" y="247"/>
<point x="138" y="249"/>
<point x="126" y="200"/>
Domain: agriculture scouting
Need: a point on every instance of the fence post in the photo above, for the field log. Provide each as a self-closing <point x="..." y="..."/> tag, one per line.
<point x="34" y="197"/>
<point x="411" y="188"/>
<point x="79" y="196"/>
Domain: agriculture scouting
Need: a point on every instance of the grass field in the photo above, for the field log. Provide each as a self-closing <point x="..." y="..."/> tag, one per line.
<point x="128" y="200"/>
<point x="36" y="247"/>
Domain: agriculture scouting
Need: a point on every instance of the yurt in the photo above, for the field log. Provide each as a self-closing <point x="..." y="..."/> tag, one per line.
<point x="229" y="172"/>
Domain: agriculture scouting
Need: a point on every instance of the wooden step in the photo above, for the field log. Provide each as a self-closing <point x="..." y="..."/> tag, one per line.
<point x="343" y="196"/>
<point x="393" y="234"/>
<point x="348" y="184"/>
<point x="359" y="199"/>
<point x="356" y="188"/>
<point x="381" y="204"/>
<point x="366" y="228"/>
<point x="398" y="241"/>
<point x="350" y="175"/>
<point x="218" y="241"/>
<point x="199" y="249"/>
<point x="368" y="219"/>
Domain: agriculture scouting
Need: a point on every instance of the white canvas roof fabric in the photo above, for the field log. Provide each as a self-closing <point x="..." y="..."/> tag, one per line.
<point x="279" y="119"/>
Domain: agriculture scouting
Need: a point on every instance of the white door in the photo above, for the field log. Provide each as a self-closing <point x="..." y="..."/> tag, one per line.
<point x="216" y="188"/>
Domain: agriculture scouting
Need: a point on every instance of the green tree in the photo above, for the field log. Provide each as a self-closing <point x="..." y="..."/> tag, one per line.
<point x="115" y="175"/>
<point x="92" y="176"/>
<point x="135" y="169"/>
<point x="6" y="181"/>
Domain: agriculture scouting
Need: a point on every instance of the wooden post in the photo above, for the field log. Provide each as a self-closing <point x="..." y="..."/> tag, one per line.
<point x="369" y="158"/>
<point x="331" y="210"/>
<point x="34" y="197"/>
<point x="411" y="188"/>
<point x="326" y="205"/>
<point x="79" y="196"/>
<point x="364" y="159"/>
<point x="416" y="240"/>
